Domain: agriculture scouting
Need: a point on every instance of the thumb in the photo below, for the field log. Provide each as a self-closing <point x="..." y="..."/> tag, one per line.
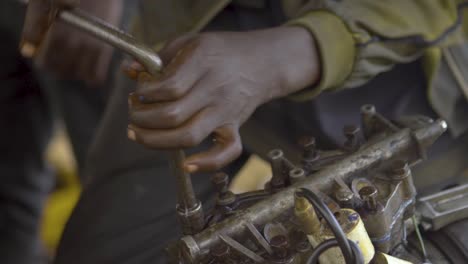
<point x="40" y="15"/>
<point x="227" y="147"/>
<point x="136" y="71"/>
<point x="172" y="47"/>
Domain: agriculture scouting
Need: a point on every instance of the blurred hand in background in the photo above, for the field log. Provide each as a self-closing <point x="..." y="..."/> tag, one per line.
<point x="63" y="50"/>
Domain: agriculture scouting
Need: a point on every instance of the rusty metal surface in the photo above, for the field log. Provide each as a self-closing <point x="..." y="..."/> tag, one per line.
<point x="259" y="238"/>
<point x="241" y="249"/>
<point x="386" y="146"/>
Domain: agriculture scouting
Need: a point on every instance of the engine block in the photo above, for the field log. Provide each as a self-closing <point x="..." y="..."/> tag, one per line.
<point x="366" y="184"/>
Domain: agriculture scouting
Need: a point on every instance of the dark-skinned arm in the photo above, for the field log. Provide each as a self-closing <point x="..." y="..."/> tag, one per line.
<point x="212" y="84"/>
<point x="215" y="81"/>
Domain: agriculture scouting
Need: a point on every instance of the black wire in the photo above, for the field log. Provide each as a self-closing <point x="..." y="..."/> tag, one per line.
<point x="340" y="236"/>
<point x="327" y="244"/>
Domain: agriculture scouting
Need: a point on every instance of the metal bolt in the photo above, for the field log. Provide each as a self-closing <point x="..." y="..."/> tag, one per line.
<point x="276" y="158"/>
<point x="276" y="154"/>
<point x="220" y="182"/>
<point x="345" y="198"/>
<point x="280" y="246"/>
<point x="189" y="208"/>
<point x="368" y="109"/>
<point x="368" y="113"/>
<point x="351" y="130"/>
<point x="351" y="134"/>
<point x="369" y="195"/>
<point x="296" y="175"/>
<point x="309" y="147"/>
<point x="303" y="246"/>
<point x="401" y="173"/>
<point x="189" y="249"/>
<point x="400" y="169"/>
<point x="220" y="252"/>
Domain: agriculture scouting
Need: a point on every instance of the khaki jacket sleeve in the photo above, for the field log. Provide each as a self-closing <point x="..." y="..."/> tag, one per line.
<point x="358" y="39"/>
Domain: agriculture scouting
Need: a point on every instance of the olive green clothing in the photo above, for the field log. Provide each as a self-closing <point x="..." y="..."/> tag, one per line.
<point x="357" y="40"/>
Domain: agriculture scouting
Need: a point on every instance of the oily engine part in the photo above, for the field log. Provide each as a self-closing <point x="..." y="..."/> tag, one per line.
<point x="366" y="184"/>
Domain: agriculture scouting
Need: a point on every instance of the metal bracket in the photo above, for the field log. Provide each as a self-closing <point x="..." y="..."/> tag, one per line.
<point x="443" y="208"/>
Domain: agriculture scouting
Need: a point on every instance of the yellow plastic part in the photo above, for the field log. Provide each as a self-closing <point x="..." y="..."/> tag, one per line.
<point x="354" y="229"/>
<point x="306" y="216"/>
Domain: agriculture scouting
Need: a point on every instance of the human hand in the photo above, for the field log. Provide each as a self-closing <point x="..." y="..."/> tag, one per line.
<point x="213" y="82"/>
<point x="66" y="51"/>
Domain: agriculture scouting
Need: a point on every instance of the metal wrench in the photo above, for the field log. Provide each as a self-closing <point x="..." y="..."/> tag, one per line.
<point x="189" y="209"/>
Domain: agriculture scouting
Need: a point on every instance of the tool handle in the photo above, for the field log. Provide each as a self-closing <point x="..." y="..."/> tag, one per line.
<point x="193" y="222"/>
<point x="115" y="37"/>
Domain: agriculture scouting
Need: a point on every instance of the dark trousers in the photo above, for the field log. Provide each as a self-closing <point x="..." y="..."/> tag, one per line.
<point x="25" y="179"/>
<point x="30" y="104"/>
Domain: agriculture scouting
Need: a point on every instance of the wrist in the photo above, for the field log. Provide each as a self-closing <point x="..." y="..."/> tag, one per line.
<point x="298" y="60"/>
